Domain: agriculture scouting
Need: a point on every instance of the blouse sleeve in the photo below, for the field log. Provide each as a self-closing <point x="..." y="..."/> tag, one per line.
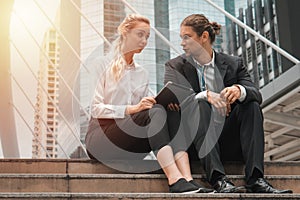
<point x="101" y="110"/>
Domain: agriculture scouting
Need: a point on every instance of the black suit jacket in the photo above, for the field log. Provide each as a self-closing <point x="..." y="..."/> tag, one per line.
<point x="229" y="70"/>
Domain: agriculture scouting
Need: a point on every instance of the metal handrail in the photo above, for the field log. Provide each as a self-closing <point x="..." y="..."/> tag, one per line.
<point x="50" y="98"/>
<point x="153" y="28"/>
<point x="52" y="64"/>
<point x="90" y="23"/>
<point x="63" y="36"/>
<point x="19" y="113"/>
<point x="253" y="32"/>
<point x="45" y="124"/>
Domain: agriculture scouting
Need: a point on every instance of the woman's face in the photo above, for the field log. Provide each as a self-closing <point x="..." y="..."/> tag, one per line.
<point x="136" y="39"/>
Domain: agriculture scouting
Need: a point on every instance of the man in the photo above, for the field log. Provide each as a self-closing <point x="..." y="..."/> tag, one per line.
<point x="231" y="120"/>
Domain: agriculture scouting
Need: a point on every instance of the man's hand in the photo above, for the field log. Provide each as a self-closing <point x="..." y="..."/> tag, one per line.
<point x="231" y="94"/>
<point x="218" y="102"/>
<point x="173" y="107"/>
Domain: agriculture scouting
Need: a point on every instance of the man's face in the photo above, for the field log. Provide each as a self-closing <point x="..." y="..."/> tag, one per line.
<point x="193" y="44"/>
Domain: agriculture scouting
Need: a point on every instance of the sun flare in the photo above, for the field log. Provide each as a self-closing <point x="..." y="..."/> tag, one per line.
<point x="24" y="11"/>
<point x="27" y="13"/>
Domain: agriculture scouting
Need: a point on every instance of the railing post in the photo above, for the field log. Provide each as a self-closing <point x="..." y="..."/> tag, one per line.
<point x="7" y="120"/>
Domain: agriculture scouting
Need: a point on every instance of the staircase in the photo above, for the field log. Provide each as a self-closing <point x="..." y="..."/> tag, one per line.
<point x="88" y="179"/>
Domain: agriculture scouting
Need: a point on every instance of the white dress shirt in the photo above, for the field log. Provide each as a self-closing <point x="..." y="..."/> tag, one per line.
<point x="111" y="98"/>
<point x="209" y="78"/>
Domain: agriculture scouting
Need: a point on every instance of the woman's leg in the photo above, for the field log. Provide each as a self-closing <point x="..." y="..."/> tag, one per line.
<point x="130" y="134"/>
<point x="174" y="167"/>
<point x="166" y="160"/>
<point x="107" y="140"/>
<point x="183" y="164"/>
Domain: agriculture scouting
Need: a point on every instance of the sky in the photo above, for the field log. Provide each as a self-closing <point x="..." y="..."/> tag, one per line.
<point x="37" y="24"/>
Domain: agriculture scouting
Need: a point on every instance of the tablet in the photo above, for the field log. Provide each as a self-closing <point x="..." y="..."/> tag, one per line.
<point x="173" y="93"/>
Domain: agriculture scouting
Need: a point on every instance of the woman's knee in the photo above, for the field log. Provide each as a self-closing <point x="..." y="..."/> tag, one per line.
<point x="158" y="112"/>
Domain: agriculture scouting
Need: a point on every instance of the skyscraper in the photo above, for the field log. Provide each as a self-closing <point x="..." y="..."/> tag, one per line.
<point x="57" y="121"/>
<point x="262" y="61"/>
<point x="46" y="115"/>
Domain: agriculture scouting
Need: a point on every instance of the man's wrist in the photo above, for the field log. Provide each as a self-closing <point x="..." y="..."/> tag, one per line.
<point x="242" y="92"/>
<point x="201" y="95"/>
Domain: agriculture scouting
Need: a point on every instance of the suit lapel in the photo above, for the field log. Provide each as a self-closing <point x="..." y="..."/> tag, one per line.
<point x="191" y="73"/>
<point x="220" y="73"/>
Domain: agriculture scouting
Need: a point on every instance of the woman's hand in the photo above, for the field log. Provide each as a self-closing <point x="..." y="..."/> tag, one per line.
<point x="144" y="104"/>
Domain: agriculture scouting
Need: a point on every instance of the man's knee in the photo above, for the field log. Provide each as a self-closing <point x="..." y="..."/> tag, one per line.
<point x="252" y="107"/>
<point x="204" y="105"/>
<point x="250" y="112"/>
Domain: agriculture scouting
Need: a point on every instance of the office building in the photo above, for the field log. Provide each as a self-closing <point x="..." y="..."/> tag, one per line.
<point x="263" y="62"/>
<point x="61" y="44"/>
<point x="46" y="121"/>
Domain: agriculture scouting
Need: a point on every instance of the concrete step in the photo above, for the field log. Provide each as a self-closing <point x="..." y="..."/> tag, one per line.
<point x="115" y="183"/>
<point x="84" y="166"/>
<point x="143" y="196"/>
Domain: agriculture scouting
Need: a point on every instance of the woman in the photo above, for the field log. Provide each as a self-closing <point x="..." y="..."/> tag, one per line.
<point x="131" y="124"/>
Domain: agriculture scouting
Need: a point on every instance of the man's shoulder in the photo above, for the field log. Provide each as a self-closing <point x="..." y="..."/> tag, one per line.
<point x="228" y="58"/>
<point x="177" y="61"/>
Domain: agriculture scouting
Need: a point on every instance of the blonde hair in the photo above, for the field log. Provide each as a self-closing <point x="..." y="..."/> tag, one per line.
<point x="118" y="63"/>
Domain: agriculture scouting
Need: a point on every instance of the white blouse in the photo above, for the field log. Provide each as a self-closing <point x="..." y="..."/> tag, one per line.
<point x="111" y="98"/>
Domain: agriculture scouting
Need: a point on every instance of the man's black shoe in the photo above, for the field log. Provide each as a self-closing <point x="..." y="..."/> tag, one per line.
<point x="223" y="185"/>
<point x="262" y="186"/>
<point x="202" y="188"/>
<point x="184" y="187"/>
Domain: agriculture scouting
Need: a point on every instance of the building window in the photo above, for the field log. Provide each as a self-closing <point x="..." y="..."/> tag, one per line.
<point x="270" y="64"/>
<point x="268" y="35"/>
<point x="258" y="47"/>
<point x="51" y="46"/>
<point x="52" y="35"/>
<point x="260" y="70"/>
<point x="249" y="55"/>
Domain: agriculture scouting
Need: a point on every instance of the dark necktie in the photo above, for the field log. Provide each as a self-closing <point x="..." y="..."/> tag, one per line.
<point x="202" y="77"/>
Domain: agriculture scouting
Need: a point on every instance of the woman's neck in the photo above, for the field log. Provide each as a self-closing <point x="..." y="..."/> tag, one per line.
<point x="128" y="58"/>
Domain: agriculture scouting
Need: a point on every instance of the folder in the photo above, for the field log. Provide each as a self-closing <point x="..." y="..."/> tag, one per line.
<point x="173" y="93"/>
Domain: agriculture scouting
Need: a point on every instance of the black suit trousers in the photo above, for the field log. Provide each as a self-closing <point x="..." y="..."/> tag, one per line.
<point x="241" y="139"/>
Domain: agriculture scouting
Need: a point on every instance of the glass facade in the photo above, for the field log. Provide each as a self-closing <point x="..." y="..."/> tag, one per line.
<point x="179" y="9"/>
<point x="264" y="63"/>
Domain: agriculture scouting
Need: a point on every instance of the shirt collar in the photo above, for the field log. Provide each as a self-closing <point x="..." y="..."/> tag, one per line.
<point x="130" y="66"/>
<point x="211" y="63"/>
